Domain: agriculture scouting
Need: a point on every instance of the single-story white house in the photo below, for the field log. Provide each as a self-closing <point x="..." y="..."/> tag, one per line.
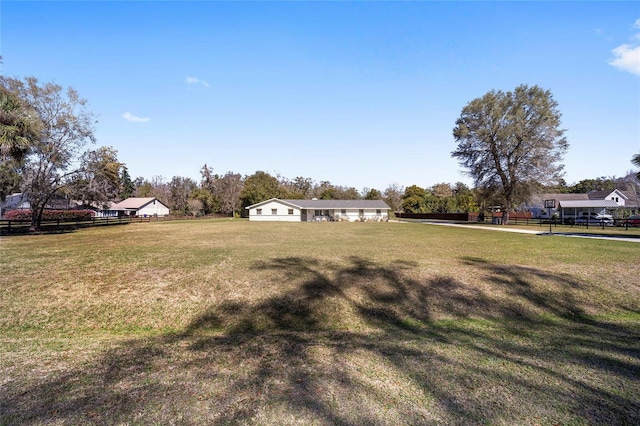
<point x="140" y="207"/>
<point x="276" y="209"/>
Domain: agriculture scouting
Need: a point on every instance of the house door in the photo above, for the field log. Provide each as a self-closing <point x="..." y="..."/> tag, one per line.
<point x="304" y="215"/>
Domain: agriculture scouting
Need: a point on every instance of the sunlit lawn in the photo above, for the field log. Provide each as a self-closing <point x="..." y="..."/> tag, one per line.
<point x="210" y="322"/>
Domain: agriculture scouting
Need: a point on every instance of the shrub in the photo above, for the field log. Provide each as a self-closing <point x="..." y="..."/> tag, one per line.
<point x="63" y="215"/>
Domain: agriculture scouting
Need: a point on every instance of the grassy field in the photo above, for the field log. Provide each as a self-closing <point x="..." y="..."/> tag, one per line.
<point x="220" y="322"/>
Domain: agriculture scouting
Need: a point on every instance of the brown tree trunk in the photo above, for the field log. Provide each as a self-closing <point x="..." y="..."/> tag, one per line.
<point x="35" y="223"/>
<point x="505" y="209"/>
<point x="505" y="216"/>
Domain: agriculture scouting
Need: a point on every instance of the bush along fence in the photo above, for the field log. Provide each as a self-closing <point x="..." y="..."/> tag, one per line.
<point x="49" y="215"/>
<point x="8" y="227"/>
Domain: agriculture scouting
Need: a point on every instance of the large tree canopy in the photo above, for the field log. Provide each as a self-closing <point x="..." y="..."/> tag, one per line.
<point x="258" y="187"/>
<point x="98" y="180"/>
<point x="636" y="162"/>
<point x="19" y="130"/>
<point x="67" y="126"/>
<point x="19" y="126"/>
<point x="511" y="142"/>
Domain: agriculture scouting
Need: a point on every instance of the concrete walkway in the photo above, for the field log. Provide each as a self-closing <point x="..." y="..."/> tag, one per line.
<point x="630" y="238"/>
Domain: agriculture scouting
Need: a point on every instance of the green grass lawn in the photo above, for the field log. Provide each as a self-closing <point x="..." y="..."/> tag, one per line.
<point x="216" y="322"/>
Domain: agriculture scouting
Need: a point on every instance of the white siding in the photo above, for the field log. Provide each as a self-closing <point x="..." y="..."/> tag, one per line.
<point x="106" y="213"/>
<point x="286" y="211"/>
<point x="616" y="197"/>
<point x="155" y="208"/>
<point x="353" y="215"/>
<point x="274" y="211"/>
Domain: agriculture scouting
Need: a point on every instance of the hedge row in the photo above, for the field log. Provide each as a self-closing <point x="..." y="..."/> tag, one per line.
<point x="64" y="215"/>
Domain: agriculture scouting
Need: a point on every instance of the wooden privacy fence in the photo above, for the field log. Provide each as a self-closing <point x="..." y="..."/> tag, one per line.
<point x="516" y="218"/>
<point x="8" y="227"/>
<point x="522" y="217"/>
<point x="22" y="226"/>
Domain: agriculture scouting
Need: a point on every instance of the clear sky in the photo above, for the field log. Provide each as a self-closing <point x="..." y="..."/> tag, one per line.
<point x="361" y="94"/>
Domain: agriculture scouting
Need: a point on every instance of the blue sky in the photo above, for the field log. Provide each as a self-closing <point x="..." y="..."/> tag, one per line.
<point x="361" y="94"/>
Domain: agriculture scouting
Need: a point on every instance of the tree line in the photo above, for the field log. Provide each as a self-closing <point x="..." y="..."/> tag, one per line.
<point x="510" y="144"/>
<point x="230" y="193"/>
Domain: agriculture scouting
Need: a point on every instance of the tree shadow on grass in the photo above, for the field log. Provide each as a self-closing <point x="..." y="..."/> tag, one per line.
<point x="362" y="343"/>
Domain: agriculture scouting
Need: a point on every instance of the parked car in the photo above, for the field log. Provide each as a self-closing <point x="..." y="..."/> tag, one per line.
<point x="633" y="220"/>
<point x="594" y="219"/>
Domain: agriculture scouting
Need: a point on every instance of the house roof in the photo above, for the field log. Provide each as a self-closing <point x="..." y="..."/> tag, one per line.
<point x="20" y="200"/>
<point x="329" y="204"/>
<point x="340" y="204"/>
<point x="601" y="195"/>
<point x="94" y="205"/>
<point x="134" y="203"/>
<point x="563" y="197"/>
<point x="585" y="204"/>
<point x="287" y="202"/>
<point x="538" y="199"/>
<point x="17" y="200"/>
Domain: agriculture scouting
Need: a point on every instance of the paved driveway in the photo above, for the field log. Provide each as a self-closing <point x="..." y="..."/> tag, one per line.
<point x="500" y="228"/>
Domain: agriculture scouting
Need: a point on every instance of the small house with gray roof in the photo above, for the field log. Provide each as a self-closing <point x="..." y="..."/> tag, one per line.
<point x="276" y="209"/>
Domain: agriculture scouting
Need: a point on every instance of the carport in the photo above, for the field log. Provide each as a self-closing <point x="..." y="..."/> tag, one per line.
<point x="574" y="208"/>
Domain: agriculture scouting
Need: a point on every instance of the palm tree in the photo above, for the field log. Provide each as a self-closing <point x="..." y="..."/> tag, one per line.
<point x="636" y="162"/>
<point x="19" y="127"/>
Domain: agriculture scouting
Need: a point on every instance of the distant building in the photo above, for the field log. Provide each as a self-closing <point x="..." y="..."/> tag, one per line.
<point x="319" y="210"/>
<point x="140" y="207"/>
<point x="571" y="206"/>
<point x="20" y="201"/>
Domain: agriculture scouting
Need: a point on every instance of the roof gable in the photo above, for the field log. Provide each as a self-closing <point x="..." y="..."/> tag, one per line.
<point x="275" y="200"/>
<point x="603" y="195"/>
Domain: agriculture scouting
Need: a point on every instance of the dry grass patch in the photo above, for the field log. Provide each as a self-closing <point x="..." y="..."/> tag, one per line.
<point x="236" y="322"/>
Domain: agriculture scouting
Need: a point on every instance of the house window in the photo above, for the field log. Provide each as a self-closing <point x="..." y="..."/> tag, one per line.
<point x="343" y="211"/>
<point x="274" y="211"/>
<point x="258" y="211"/>
<point x="378" y="212"/>
<point x="290" y="211"/>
